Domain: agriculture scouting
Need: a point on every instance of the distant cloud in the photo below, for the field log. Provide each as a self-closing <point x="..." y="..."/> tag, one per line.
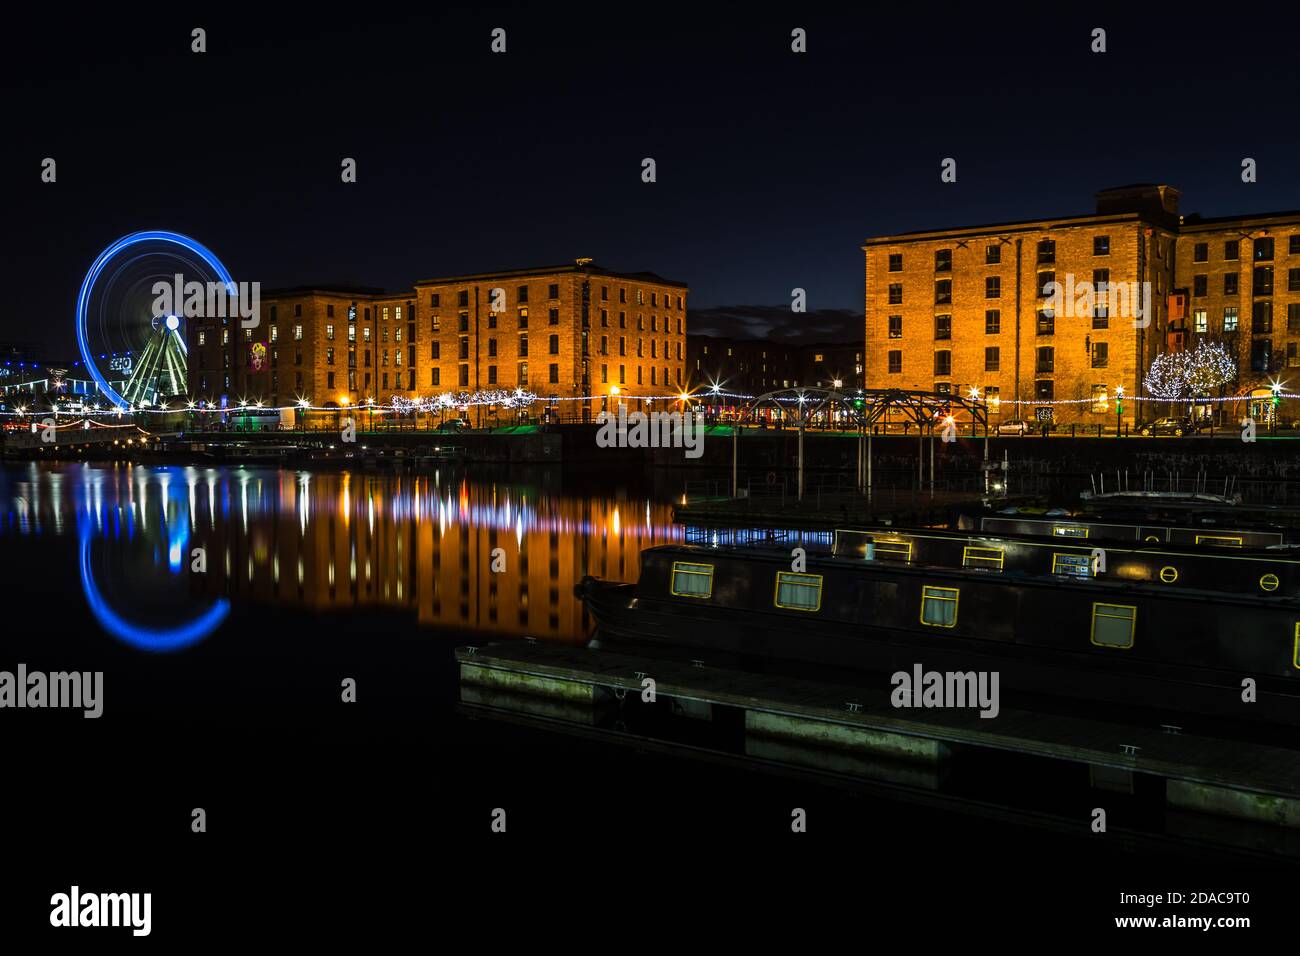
<point x="776" y="323"/>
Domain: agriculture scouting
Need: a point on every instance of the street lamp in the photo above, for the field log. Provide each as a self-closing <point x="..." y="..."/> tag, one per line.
<point x="1119" y="408"/>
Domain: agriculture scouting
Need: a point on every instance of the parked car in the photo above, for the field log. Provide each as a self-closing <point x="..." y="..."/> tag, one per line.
<point x="453" y="425"/>
<point x="1168" y="426"/>
<point x="1016" y="426"/>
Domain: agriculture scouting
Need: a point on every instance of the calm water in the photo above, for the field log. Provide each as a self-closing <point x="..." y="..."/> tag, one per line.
<point x="222" y="691"/>
<point x="478" y="557"/>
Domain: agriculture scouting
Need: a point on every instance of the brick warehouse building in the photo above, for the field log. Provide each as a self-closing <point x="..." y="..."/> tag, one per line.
<point x="959" y="308"/>
<point x="559" y="332"/>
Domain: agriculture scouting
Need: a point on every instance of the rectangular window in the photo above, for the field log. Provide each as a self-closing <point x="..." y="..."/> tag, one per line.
<point x="1100" y="354"/>
<point x="798" y="592"/>
<point x="1200" y="320"/>
<point x="1230" y="319"/>
<point x="992" y="287"/>
<point x="1263" y="280"/>
<point x="895" y="326"/>
<point x="1045" y="280"/>
<point x="1046" y="361"/>
<point x="1230" y="283"/>
<point x="1263" y="249"/>
<point x="893" y="550"/>
<point x="943" y="260"/>
<point x="1232" y="250"/>
<point x="943" y="362"/>
<point x="988" y="558"/>
<point x="1046" y="322"/>
<point x="1200" y="286"/>
<point x="1100" y="398"/>
<point x="1069" y="531"/>
<point x="1201" y="252"/>
<point x="943" y="292"/>
<point x="943" y="326"/>
<point x="896" y="262"/>
<point x="1261" y="317"/>
<point x="896" y="293"/>
<point x="939" y="606"/>
<point x="1101" y="245"/>
<point x="992" y="254"/>
<point x="1046" y="251"/>
<point x="992" y="321"/>
<point x="895" y="362"/>
<point x="1219" y="540"/>
<point x="992" y="359"/>
<point x="1113" y="625"/>
<point x="1072" y="565"/>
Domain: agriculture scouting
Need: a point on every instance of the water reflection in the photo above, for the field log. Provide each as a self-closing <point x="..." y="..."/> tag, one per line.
<point x="327" y="541"/>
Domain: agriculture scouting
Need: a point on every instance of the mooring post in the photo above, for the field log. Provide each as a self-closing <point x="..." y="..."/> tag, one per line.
<point x="869" y="465"/>
<point x="735" y="455"/>
<point x="801" y="456"/>
<point x="931" y="462"/>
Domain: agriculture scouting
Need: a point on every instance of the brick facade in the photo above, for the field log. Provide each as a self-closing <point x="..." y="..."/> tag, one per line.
<point x="560" y="332"/>
<point x="948" y="310"/>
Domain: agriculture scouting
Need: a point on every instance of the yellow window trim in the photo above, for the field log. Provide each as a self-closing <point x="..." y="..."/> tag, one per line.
<point x="1059" y="531"/>
<point x="688" y="567"/>
<point x="1268" y="582"/>
<point x="1169" y="574"/>
<point x="1132" y="623"/>
<point x="1221" y="540"/>
<point x="776" y="593"/>
<point x="1057" y="555"/>
<point x="932" y="592"/>
<point x="981" y="555"/>
<point x="1295" y="651"/>
<point x="893" y="546"/>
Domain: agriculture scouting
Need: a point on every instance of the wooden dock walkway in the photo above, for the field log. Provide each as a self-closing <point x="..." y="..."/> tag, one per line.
<point x="1235" y="778"/>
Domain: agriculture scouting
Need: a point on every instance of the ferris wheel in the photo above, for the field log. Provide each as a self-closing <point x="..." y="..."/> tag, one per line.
<point x="132" y="336"/>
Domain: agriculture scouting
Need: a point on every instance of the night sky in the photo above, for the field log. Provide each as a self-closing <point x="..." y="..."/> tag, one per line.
<point x="773" y="167"/>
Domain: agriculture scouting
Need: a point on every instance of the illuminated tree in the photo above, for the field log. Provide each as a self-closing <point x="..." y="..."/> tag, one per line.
<point x="1173" y="375"/>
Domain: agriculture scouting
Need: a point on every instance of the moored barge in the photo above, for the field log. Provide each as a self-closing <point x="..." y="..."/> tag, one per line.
<point x="1138" y="622"/>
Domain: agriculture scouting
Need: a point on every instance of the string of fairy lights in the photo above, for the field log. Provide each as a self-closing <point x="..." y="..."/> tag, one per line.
<point x="522" y="400"/>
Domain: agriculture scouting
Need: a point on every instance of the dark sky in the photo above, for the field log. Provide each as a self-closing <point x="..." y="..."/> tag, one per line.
<point x="772" y="167"/>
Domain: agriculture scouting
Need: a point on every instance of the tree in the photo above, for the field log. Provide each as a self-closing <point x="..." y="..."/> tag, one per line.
<point x="1199" y="371"/>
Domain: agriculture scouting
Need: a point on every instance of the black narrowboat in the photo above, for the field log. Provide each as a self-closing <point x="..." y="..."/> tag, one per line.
<point x="1151" y="624"/>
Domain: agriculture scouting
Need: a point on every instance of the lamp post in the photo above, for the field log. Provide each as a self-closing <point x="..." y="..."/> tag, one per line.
<point x="1119" y="408"/>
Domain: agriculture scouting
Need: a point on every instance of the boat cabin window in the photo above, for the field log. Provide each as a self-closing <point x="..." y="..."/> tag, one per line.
<point x="1268" y="582"/>
<point x="894" y="550"/>
<point x="1074" y="565"/>
<point x="990" y="558"/>
<point x="1112" y="625"/>
<point x="798" y="592"/>
<point x="1218" y="540"/>
<point x="1069" y="531"/>
<point x="692" y="580"/>
<point x="939" y="606"/>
